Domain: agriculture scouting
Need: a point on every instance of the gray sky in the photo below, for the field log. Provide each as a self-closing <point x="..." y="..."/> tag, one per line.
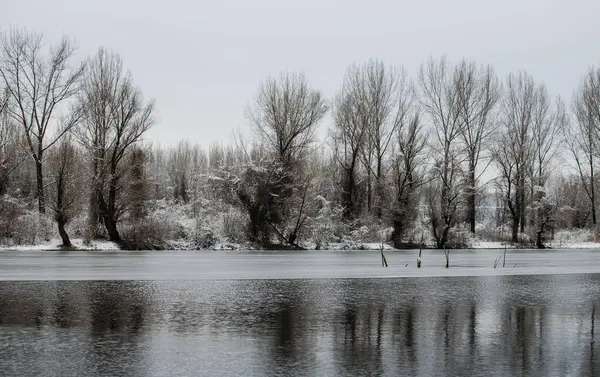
<point x="202" y="61"/>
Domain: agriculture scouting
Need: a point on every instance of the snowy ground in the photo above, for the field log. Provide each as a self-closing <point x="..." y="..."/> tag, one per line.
<point x="78" y="244"/>
<point x="54" y="244"/>
<point x="491" y="245"/>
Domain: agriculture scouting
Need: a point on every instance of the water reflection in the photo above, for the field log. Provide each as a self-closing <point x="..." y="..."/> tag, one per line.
<point x="488" y="326"/>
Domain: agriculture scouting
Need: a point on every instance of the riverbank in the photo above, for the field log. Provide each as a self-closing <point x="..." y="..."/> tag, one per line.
<point x="102" y="245"/>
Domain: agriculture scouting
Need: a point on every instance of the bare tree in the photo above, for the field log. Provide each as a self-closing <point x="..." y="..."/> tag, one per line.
<point x="524" y="107"/>
<point x="9" y="145"/>
<point x="348" y="136"/>
<point x="409" y="176"/>
<point x="546" y="130"/>
<point x="64" y="167"/>
<point x="387" y="96"/>
<point x="114" y="118"/>
<point x="582" y="135"/>
<point x="442" y="102"/>
<point x="478" y="92"/>
<point x="285" y="115"/>
<point x="38" y="83"/>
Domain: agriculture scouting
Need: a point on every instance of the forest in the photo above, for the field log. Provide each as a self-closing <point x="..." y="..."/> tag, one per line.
<point x="446" y="157"/>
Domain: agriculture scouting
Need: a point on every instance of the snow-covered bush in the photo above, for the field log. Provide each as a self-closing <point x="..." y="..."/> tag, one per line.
<point x="235" y="225"/>
<point x="205" y="238"/>
<point x="10" y="209"/>
<point x="77" y="227"/>
<point x="164" y="221"/>
<point x="33" y="228"/>
<point x="460" y="237"/>
<point x="22" y="224"/>
<point x="573" y="236"/>
<point x="327" y="225"/>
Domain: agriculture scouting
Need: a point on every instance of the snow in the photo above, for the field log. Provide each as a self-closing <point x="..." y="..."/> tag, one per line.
<point x="491" y="245"/>
<point x="573" y="239"/>
<point x="54" y="244"/>
<point x="577" y="245"/>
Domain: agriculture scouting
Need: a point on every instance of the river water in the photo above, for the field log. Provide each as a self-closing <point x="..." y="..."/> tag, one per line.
<point x="299" y="314"/>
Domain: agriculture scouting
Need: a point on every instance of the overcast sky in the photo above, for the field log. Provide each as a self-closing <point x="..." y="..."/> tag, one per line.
<point x="203" y="60"/>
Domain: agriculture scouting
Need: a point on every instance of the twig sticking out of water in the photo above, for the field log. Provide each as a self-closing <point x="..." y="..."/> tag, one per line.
<point x="447" y="253"/>
<point x="383" y="260"/>
<point x="496" y="262"/>
<point x="504" y="262"/>
<point x="515" y="265"/>
<point x="420" y="250"/>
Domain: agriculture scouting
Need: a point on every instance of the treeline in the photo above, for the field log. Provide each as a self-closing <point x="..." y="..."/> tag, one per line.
<point x="442" y="158"/>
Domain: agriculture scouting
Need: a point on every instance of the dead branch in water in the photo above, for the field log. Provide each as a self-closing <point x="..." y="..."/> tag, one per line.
<point x="420" y="251"/>
<point x="447" y="254"/>
<point x="383" y="260"/>
<point x="496" y="262"/>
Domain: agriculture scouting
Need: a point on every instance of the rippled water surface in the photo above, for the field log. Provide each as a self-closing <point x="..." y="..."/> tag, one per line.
<point x="176" y="322"/>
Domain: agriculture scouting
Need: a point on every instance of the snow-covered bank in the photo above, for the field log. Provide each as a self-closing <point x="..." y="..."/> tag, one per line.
<point x="550" y="245"/>
<point x="55" y="244"/>
<point x="100" y="245"/>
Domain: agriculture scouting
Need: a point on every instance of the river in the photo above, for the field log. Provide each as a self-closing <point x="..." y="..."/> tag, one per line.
<point x="299" y="314"/>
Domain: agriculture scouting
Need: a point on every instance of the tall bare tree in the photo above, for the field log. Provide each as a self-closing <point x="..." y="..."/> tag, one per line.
<point x="350" y="129"/>
<point x="524" y="107"/>
<point x="441" y="100"/>
<point x="9" y="145"/>
<point x="546" y="131"/>
<point x="409" y="176"/>
<point x="387" y="96"/>
<point x="114" y="118"/>
<point x="39" y="82"/>
<point x="582" y="135"/>
<point x="478" y="92"/>
<point x="64" y="164"/>
<point x="284" y="117"/>
<point x="548" y="123"/>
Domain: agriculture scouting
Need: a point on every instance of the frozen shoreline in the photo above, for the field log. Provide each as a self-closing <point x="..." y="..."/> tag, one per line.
<point x="100" y="245"/>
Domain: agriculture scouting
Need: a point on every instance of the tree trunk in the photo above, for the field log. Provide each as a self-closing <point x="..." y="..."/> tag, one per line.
<point x="398" y="233"/>
<point x="515" y="228"/>
<point x="93" y="213"/>
<point x="379" y="187"/>
<point x="444" y="239"/>
<point x="60" y="216"/>
<point x="110" y="220"/>
<point x="348" y="193"/>
<point x="520" y="201"/>
<point x="111" y="228"/>
<point x="593" y="196"/>
<point x="538" y="240"/>
<point x="95" y="199"/>
<point x="40" y="186"/>
<point x="369" y="191"/>
<point x="66" y="242"/>
<point x="471" y="199"/>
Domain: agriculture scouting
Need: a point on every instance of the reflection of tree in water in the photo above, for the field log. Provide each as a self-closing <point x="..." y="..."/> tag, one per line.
<point x="42" y="303"/>
<point x="523" y="329"/>
<point x="357" y="328"/>
<point x="358" y="341"/>
<point x="403" y="337"/>
<point x="592" y="364"/>
<point x="112" y="311"/>
<point x="459" y="326"/>
<point x="117" y="307"/>
<point x="117" y="313"/>
<point x="291" y="341"/>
